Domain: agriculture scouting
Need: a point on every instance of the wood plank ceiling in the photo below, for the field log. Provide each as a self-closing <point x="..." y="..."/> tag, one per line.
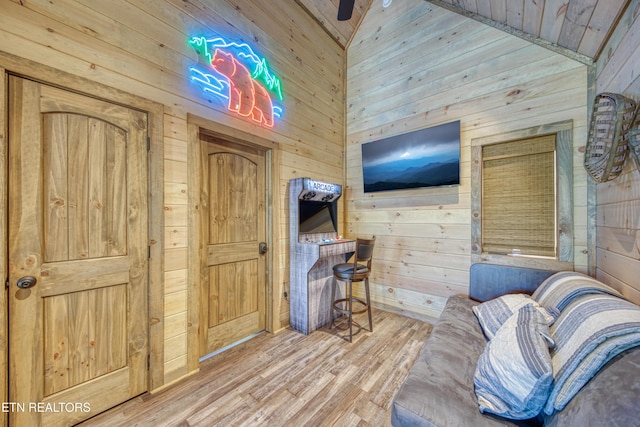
<point x="579" y="26"/>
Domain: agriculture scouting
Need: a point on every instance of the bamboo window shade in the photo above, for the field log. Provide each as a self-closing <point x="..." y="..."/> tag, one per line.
<point x="519" y="197"/>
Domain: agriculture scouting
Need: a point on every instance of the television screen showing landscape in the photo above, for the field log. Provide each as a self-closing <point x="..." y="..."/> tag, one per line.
<point x="423" y="158"/>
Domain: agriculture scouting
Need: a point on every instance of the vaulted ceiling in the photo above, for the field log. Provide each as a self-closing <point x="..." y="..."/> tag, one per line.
<point x="578" y="26"/>
<point x="326" y="13"/>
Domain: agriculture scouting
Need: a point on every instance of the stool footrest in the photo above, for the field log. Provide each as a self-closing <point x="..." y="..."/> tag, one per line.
<point x="346" y="300"/>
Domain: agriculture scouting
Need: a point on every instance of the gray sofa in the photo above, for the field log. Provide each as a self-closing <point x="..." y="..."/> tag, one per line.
<point x="439" y="390"/>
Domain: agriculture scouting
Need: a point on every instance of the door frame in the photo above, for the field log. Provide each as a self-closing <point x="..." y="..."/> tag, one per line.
<point x="196" y="126"/>
<point x="4" y="257"/>
<point x="11" y="64"/>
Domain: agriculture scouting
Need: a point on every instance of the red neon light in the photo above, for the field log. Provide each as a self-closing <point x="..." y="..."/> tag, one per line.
<point x="247" y="97"/>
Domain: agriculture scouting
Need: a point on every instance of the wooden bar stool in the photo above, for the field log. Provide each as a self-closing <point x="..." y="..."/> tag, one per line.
<point x="356" y="271"/>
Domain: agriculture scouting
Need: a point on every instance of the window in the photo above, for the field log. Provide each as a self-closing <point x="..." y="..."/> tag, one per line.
<point x="521" y="196"/>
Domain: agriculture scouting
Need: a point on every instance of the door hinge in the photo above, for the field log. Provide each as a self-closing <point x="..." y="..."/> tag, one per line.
<point x="148" y="361"/>
<point x="148" y="143"/>
<point x="6" y="283"/>
<point x="149" y="252"/>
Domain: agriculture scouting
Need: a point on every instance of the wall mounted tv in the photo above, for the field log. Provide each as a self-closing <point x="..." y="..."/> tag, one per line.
<point x="318" y="217"/>
<point x="427" y="157"/>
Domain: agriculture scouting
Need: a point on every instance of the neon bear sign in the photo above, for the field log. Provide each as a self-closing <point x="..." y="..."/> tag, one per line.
<point x="235" y="73"/>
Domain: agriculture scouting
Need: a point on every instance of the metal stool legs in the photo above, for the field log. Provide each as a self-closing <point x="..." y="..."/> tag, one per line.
<point x="348" y="301"/>
<point x="366" y="290"/>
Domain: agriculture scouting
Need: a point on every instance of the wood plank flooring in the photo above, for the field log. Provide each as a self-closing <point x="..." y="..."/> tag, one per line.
<point x="289" y="379"/>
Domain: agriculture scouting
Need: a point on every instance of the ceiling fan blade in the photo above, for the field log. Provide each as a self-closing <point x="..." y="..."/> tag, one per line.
<point x="345" y="9"/>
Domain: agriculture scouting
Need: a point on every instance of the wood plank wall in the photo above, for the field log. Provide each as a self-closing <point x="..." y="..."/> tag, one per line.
<point x="618" y="201"/>
<point x="415" y="65"/>
<point x="140" y="47"/>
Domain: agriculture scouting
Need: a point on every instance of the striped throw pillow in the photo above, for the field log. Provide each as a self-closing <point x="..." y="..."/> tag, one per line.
<point x="561" y="288"/>
<point x="513" y="376"/>
<point x="493" y="313"/>
<point x="590" y="331"/>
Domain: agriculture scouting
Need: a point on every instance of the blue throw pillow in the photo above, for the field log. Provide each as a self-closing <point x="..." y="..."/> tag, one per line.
<point x="513" y="377"/>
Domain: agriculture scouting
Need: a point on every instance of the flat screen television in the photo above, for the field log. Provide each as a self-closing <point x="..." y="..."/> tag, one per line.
<point x="427" y="157"/>
<point x="317" y="217"/>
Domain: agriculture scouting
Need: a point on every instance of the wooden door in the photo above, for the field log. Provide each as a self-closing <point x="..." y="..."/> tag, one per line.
<point x="78" y="228"/>
<point x="234" y="285"/>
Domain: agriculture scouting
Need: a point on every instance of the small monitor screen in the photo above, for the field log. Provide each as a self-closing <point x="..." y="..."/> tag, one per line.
<point x="317" y="217"/>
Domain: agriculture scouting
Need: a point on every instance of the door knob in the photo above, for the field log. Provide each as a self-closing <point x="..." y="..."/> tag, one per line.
<point x="262" y="248"/>
<point x="26" y="282"/>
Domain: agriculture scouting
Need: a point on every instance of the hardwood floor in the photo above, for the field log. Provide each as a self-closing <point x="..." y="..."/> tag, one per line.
<point x="289" y="379"/>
